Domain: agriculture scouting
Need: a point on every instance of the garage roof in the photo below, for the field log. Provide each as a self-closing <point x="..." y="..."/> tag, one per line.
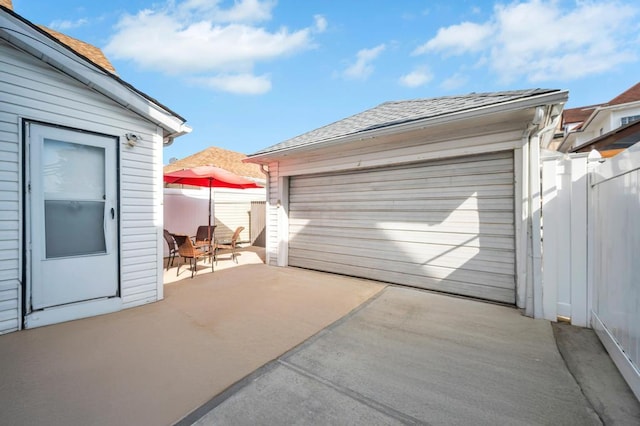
<point x="395" y="113"/>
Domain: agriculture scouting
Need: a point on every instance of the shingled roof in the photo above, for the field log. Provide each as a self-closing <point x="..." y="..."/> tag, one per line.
<point x="632" y="94"/>
<point x="87" y="50"/>
<point x="223" y="158"/>
<point x="399" y="112"/>
<point x="581" y="114"/>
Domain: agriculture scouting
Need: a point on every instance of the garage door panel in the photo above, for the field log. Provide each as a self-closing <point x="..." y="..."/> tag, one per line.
<point x="482" y="291"/>
<point x="453" y="170"/>
<point x="468" y="191"/>
<point x="496" y="217"/>
<point x="466" y="258"/>
<point x="364" y="237"/>
<point x="442" y="225"/>
<point x="446" y="257"/>
<point x="446" y="205"/>
<point x="469" y="183"/>
<point x="471" y="227"/>
<point x="429" y="252"/>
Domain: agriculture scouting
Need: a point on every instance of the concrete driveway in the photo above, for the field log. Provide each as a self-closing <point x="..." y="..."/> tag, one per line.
<point x="413" y="357"/>
<point x="252" y="344"/>
<point x="154" y="364"/>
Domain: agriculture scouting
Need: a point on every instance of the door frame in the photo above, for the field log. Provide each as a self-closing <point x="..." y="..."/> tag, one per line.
<point x="82" y="309"/>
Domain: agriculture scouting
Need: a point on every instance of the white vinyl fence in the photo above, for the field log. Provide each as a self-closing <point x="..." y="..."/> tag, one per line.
<point x="614" y="246"/>
<point x="591" y="241"/>
<point x="186" y="209"/>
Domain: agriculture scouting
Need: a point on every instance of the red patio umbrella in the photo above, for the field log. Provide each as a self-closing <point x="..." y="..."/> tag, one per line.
<point x="211" y="177"/>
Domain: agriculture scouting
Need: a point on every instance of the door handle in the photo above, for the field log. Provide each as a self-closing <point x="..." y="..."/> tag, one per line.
<point x="113" y="213"/>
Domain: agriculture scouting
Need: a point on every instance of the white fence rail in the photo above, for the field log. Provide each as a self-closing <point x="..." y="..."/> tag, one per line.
<point x="591" y="241"/>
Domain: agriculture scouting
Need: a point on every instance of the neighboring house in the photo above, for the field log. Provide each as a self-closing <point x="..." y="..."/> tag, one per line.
<point x="186" y="208"/>
<point x="231" y="161"/>
<point x="436" y="193"/>
<point x="584" y="124"/>
<point x="80" y="181"/>
<point x="613" y="142"/>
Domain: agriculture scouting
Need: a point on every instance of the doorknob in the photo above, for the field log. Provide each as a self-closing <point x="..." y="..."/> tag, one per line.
<point x="113" y="213"/>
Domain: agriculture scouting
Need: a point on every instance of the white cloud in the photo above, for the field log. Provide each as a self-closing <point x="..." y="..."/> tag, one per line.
<point x="457" y="39"/>
<point x="321" y="23"/>
<point x="241" y="84"/>
<point x="362" y="68"/>
<point x="541" y="40"/>
<point x="199" y="37"/>
<point x="241" y="11"/>
<point x="417" y="77"/>
<point x="63" y="25"/>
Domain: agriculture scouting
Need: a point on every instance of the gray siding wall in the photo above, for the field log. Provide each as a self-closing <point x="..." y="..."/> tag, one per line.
<point x="31" y="90"/>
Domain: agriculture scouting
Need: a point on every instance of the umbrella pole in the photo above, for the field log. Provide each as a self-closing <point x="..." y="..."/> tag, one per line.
<point x="209" y="227"/>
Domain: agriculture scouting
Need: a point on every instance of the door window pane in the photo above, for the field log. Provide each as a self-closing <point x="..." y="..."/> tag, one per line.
<point x="74" y="199"/>
<point x="73" y="170"/>
<point x="74" y="228"/>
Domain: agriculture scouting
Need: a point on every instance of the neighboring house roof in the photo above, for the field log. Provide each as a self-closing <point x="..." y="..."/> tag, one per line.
<point x="390" y="114"/>
<point x="632" y="94"/>
<point x="87" y="50"/>
<point x="614" y="141"/>
<point x="579" y="114"/>
<point x="39" y="43"/>
<point x="223" y="158"/>
<point x="587" y="114"/>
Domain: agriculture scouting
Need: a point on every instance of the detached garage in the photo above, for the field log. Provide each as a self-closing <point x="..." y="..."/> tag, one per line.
<point x="433" y="193"/>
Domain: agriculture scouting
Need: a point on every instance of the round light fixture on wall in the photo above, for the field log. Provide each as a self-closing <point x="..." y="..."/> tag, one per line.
<point x="132" y="139"/>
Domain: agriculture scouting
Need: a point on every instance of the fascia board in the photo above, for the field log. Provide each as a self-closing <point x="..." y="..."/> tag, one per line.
<point x="518" y="104"/>
<point x="24" y="37"/>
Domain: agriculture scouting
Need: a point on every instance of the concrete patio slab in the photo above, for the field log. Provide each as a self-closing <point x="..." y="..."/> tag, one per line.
<point x="153" y="364"/>
<point x="413" y="357"/>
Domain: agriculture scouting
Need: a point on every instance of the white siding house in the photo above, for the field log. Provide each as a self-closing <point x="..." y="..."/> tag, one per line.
<point x="80" y="183"/>
<point x="437" y="193"/>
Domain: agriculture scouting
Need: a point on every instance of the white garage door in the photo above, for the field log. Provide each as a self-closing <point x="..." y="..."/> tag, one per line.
<point x="442" y="225"/>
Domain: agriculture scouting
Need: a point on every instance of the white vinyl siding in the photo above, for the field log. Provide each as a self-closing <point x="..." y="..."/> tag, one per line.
<point x="445" y="225"/>
<point x="31" y="90"/>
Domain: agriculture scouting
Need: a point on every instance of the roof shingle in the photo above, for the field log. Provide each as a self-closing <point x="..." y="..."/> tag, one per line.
<point x="399" y="112"/>
<point x="223" y="158"/>
<point x="87" y="50"/>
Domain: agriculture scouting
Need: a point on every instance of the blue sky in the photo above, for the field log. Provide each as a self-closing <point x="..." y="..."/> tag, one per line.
<point x="247" y="74"/>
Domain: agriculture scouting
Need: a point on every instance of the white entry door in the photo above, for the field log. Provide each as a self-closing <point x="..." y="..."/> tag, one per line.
<point x="73" y="216"/>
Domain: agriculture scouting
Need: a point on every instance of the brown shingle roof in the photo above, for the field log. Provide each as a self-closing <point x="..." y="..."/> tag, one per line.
<point x="223" y="158"/>
<point x="87" y="50"/>
<point x="632" y="94"/>
<point x="578" y="115"/>
<point x="581" y="114"/>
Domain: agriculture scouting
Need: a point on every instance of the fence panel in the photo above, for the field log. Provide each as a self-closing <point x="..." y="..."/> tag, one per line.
<point x="614" y="245"/>
<point x="258" y="223"/>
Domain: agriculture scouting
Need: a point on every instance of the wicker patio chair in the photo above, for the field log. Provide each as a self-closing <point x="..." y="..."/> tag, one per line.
<point x="202" y="234"/>
<point x="173" y="247"/>
<point x="188" y="250"/>
<point x="230" y="244"/>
